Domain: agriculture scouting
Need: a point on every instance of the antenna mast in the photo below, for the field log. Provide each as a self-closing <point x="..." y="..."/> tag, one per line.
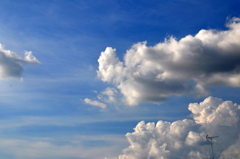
<point x="210" y="139"/>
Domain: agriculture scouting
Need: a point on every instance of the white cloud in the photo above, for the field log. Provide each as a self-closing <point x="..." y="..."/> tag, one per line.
<point x="110" y="68"/>
<point x="108" y="95"/>
<point x="30" y="58"/>
<point x="175" y="67"/>
<point x="11" y="64"/>
<point x="94" y="103"/>
<point x="186" y="138"/>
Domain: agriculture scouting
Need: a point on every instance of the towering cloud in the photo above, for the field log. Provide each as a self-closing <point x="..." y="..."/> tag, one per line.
<point x="11" y="64"/>
<point x="175" y="67"/>
<point x="185" y="139"/>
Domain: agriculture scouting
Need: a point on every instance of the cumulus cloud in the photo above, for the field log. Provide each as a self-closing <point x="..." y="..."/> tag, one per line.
<point x="11" y="64"/>
<point x="175" y="67"/>
<point x="94" y="103"/>
<point x="185" y="139"/>
<point x="232" y="152"/>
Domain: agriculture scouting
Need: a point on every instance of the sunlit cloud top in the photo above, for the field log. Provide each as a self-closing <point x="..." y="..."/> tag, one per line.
<point x="175" y="67"/>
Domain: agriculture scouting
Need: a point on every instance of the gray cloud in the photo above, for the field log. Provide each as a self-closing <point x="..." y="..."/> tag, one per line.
<point x="186" y="138"/>
<point x="11" y="64"/>
<point x="175" y="67"/>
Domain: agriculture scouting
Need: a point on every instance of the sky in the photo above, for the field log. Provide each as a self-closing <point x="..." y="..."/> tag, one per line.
<point x="118" y="79"/>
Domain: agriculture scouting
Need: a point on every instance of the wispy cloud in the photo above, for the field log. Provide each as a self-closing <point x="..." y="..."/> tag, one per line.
<point x="96" y="147"/>
<point x="66" y="121"/>
<point x="95" y="103"/>
<point x="175" y="67"/>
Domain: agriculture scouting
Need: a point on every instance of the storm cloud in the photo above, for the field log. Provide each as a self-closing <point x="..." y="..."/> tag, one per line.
<point x="175" y="67"/>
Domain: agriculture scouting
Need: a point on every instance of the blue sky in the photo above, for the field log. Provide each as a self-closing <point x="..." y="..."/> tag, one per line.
<point x="69" y="97"/>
